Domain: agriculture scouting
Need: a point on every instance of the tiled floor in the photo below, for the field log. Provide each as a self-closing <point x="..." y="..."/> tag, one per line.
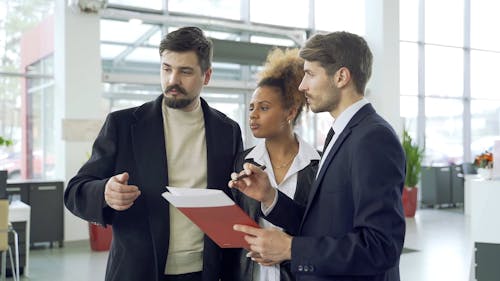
<point x="440" y="237"/>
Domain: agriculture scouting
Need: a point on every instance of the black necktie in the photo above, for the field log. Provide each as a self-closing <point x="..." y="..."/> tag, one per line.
<point x="328" y="138"/>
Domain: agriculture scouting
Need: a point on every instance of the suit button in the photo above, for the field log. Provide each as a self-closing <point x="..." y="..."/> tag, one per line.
<point x="311" y="268"/>
<point x="306" y="268"/>
<point x="301" y="268"/>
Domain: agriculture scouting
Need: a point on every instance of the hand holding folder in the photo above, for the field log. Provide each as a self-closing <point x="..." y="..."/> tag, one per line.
<point x="213" y="212"/>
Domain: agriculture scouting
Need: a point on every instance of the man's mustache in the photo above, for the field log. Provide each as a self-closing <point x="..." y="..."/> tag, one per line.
<point x="177" y="88"/>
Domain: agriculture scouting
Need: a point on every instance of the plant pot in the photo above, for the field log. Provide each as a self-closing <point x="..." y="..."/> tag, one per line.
<point x="410" y="201"/>
<point x="100" y="237"/>
<point x="485" y="173"/>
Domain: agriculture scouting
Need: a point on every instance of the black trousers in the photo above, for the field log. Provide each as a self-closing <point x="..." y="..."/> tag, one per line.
<point x="193" y="276"/>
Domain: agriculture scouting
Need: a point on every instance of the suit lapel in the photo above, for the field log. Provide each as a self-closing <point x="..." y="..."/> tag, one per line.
<point x="360" y="115"/>
<point x="150" y="156"/>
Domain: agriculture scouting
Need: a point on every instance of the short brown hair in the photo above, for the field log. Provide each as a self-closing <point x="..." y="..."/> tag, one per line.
<point x="341" y="49"/>
<point x="186" y="39"/>
<point x="284" y="70"/>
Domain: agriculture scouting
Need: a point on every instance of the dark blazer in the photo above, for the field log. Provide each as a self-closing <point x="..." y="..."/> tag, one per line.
<point x="353" y="226"/>
<point x="243" y="269"/>
<point x="132" y="140"/>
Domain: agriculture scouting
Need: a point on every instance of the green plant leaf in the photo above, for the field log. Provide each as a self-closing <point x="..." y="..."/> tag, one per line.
<point x="414" y="156"/>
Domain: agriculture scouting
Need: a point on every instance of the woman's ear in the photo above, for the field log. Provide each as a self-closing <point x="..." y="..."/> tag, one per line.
<point x="292" y="112"/>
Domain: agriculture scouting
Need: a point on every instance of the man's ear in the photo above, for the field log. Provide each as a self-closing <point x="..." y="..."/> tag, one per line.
<point x="342" y="77"/>
<point x="208" y="75"/>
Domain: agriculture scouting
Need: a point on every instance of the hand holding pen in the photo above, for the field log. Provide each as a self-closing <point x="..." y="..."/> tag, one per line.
<point x="254" y="183"/>
<point x="244" y="175"/>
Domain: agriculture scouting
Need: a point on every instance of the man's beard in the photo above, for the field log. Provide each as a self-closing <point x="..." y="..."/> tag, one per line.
<point x="178" y="101"/>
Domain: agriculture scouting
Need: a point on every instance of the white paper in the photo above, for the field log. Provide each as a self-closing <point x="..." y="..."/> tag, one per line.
<point x="196" y="197"/>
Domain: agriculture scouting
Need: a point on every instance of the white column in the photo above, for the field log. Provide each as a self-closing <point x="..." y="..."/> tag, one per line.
<point x="79" y="106"/>
<point x="382" y="34"/>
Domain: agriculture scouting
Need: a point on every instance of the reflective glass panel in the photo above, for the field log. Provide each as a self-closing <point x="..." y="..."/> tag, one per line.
<point x="408" y="71"/>
<point x="484" y="24"/>
<point x="444" y="22"/>
<point x="484" y="75"/>
<point x="149" y="4"/>
<point x="123" y="31"/>
<point x="485" y="125"/>
<point x="443" y="71"/>
<point x="228" y="9"/>
<point x="443" y="132"/>
<point x="409" y="112"/>
<point x="293" y="13"/>
<point x="408" y="20"/>
<point x="351" y="16"/>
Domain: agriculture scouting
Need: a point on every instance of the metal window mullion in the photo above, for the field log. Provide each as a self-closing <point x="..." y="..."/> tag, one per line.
<point x="421" y="75"/>
<point x="467" y="127"/>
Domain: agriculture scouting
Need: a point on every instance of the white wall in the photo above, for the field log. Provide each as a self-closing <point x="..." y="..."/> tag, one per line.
<point x="78" y="97"/>
<point x="382" y="34"/>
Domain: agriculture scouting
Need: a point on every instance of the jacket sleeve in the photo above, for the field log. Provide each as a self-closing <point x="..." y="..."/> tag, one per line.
<point x="84" y="194"/>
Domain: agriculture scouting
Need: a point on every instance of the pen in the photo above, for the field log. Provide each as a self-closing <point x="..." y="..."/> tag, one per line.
<point x="263" y="167"/>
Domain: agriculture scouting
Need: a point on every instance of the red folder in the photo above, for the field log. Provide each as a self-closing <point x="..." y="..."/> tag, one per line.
<point x="213" y="212"/>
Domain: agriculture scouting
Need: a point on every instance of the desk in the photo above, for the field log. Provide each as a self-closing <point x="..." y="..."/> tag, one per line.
<point x="467" y="192"/>
<point x="485" y="227"/>
<point x="20" y="212"/>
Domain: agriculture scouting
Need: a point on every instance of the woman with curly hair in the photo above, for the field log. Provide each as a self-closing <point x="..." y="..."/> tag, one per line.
<point x="291" y="163"/>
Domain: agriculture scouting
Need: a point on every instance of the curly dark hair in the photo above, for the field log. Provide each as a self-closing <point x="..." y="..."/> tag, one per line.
<point x="284" y="69"/>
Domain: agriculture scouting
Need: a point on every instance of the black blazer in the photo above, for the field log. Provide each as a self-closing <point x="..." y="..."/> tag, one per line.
<point x="132" y="140"/>
<point x="353" y="226"/>
<point x="243" y="268"/>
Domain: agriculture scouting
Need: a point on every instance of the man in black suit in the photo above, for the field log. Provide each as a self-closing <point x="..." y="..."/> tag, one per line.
<point x="175" y="140"/>
<point x="353" y="226"/>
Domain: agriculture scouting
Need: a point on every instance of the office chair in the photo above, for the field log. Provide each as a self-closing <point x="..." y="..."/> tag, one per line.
<point x="5" y="228"/>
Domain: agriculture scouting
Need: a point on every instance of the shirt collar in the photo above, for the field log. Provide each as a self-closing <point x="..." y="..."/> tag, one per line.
<point x="343" y="119"/>
<point x="306" y="154"/>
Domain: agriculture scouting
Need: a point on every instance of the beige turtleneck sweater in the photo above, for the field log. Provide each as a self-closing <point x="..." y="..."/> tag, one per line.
<point x="187" y="167"/>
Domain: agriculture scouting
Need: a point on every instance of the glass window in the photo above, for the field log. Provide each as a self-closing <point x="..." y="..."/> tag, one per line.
<point x="19" y="20"/>
<point x="109" y="51"/>
<point x="350" y="18"/>
<point x="408" y="71"/>
<point x="10" y="124"/>
<point x="485" y="125"/>
<point x="444" y="22"/>
<point x="409" y="113"/>
<point x="143" y="54"/>
<point x="274" y="41"/>
<point x="272" y="12"/>
<point x="443" y="132"/>
<point x="408" y="20"/>
<point x="150" y="4"/>
<point x="228" y="9"/>
<point x="123" y="31"/>
<point x="17" y="17"/>
<point x="233" y="105"/>
<point x="484" y="75"/>
<point x="443" y="71"/>
<point x="484" y="24"/>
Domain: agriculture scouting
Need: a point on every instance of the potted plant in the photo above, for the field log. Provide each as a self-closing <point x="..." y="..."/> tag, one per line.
<point x="484" y="164"/>
<point x="5" y="142"/>
<point x="3" y="173"/>
<point x="414" y="156"/>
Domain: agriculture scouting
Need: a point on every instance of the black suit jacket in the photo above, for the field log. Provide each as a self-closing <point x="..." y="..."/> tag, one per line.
<point x="132" y="140"/>
<point x="244" y="266"/>
<point x="353" y="226"/>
